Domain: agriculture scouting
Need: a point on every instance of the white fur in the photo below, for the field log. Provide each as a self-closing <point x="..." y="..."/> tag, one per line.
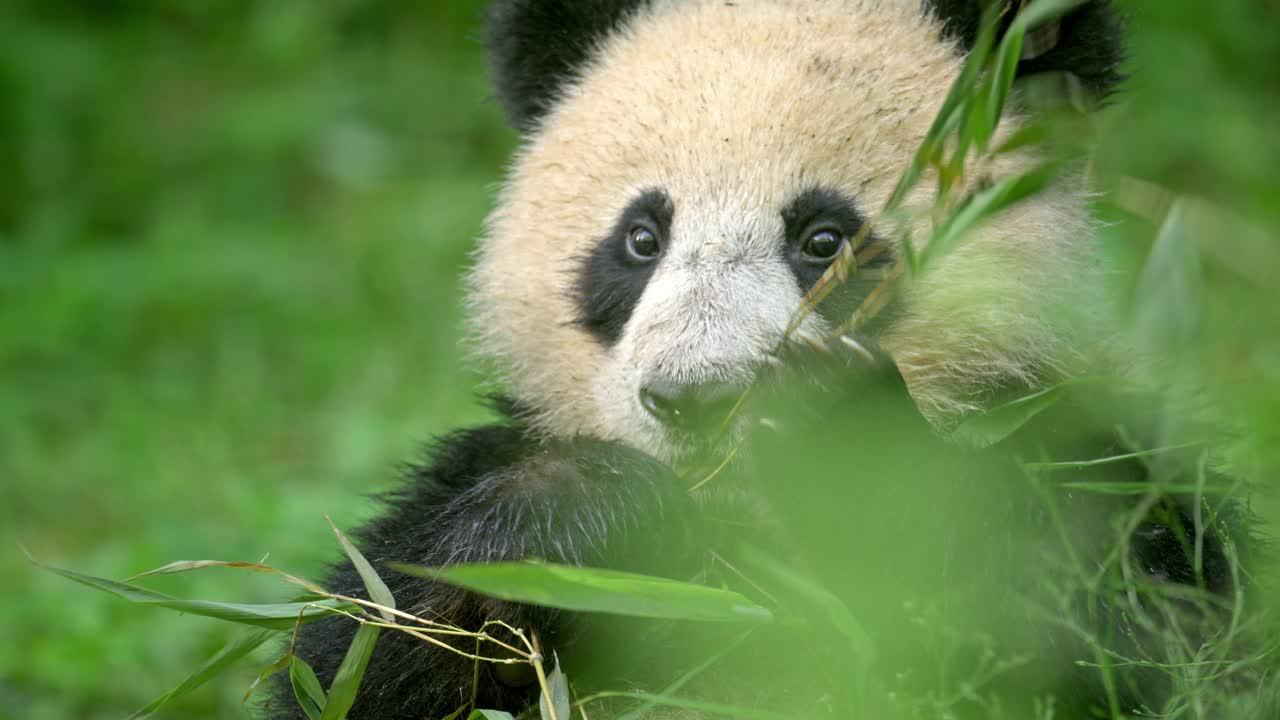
<point x="733" y="110"/>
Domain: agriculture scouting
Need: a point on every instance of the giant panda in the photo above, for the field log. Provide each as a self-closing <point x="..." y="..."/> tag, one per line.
<point x="689" y="169"/>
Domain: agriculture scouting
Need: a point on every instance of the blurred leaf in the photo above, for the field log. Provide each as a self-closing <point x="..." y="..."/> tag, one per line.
<point x="596" y="590"/>
<point x="490" y="715"/>
<point x="307" y="688"/>
<point x="710" y="708"/>
<point x="1029" y="134"/>
<point x="1041" y="11"/>
<point x="1002" y="421"/>
<point x="558" y="685"/>
<point x="378" y="591"/>
<point x="951" y="114"/>
<point x="236" y="649"/>
<point x="342" y="693"/>
<point x="986" y="203"/>
<point x="819" y="602"/>
<point x="674" y="686"/>
<point x="1143" y="488"/>
<point x="267" y="672"/>
<point x="1093" y="462"/>
<point x="1169" y="294"/>
<point x="277" y="616"/>
<point x="999" y="82"/>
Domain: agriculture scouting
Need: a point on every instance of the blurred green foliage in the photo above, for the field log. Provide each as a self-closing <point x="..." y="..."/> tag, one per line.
<point x="230" y="240"/>
<point x="231" y="235"/>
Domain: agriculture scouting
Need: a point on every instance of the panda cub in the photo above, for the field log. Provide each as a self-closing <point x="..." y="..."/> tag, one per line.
<point x="689" y="169"/>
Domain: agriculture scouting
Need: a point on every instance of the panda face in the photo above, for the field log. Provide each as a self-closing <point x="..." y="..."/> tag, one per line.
<point x="664" y="220"/>
<point x="687" y="323"/>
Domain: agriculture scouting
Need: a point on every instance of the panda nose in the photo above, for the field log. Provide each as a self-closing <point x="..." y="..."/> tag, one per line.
<point x="690" y="407"/>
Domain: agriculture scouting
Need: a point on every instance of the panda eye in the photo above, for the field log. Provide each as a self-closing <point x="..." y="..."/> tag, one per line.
<point x="642" y="243"/>
<point x="823" y="244"/>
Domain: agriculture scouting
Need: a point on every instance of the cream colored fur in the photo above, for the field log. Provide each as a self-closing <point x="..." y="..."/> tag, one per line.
<point x="738" y="108"/>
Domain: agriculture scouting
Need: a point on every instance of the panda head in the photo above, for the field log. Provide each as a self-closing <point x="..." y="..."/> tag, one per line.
<point x="689" y="169"/>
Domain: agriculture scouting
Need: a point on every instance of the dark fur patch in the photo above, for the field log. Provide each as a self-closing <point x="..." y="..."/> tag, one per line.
<point x="610" y="281"/>
<point x="819" y="209"/>
<point x="489" y="494"/>
<point x="536" y="47"/>
<point x="1090" y="40"/>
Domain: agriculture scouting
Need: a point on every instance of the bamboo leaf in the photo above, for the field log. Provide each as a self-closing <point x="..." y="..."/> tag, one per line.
<point x="275" y="616"/>
<point x="342" y="693"/>
<point x="1002" y="421"/>
<point x="1042" y="11"/>
<point x="984" y="204"/>
<point x="1170" y="290"/>
<point x="233" y="651"/>
<point x="952" y="113"/>
<point x="596" y="590"/>
<point x="490" y="715"/>
<point x="558" y="686"/>
<point x="378" y="590"/>
<point x="710" y="708"/>
<point x="307" y="688"/>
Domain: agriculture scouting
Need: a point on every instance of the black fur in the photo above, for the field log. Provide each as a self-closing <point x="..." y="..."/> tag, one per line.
<point x="1090" y="41"/>
<point x="610" y="281"/>
<point x="812" y="211"/>
<point x="486" y="495"/>
<point x="536" y="47"/>
<point x="820" y="209"/>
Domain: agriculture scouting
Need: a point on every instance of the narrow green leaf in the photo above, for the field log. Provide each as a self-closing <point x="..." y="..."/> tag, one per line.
<point x="596" y="590"/>
<point x="1042" y="11"/>
<point x="342" y="693"/>
<point x="558" y="684"/>
<point x="378" y="590"/>
<point x="1094" y="462"/>
<point x="952" y="114"/>
<point x="490" y="715"/>
<point x="183" y="566"/>
<point x="641" y="709"/>
<point x="236" y="649"/>
<point x="267" y="672"/>
<point x="307" y="688"/>
<point x="1169" y="298"/>
<point x="1002" y="421"/>
<point x="1029" y="134"/>
<point x="276" y="616"/>
<point x="1142" y="488"/>
<point x="456" y="714"/>
<point x="712" y="708"/>
<point x="834" y="611"/>
<point x="984" y="204"/>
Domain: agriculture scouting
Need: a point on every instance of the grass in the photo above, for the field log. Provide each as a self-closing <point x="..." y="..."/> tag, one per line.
<point x="229" y="260"/>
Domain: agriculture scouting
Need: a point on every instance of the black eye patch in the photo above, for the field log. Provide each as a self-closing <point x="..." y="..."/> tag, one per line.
<point x="819" y="210"/>
<point x="611" y="279"/>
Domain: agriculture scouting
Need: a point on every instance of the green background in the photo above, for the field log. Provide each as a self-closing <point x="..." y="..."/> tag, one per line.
<point x="231" y="234"/>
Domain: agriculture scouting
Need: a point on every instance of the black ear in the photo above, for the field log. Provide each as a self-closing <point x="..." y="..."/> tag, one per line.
<point x="537" y="46"/>
<point x="1088" y="42"/>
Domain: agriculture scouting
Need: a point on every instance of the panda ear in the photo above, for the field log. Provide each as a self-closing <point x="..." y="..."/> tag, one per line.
<point x="538" y="46"/>
<point x="1087" y="42"/>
